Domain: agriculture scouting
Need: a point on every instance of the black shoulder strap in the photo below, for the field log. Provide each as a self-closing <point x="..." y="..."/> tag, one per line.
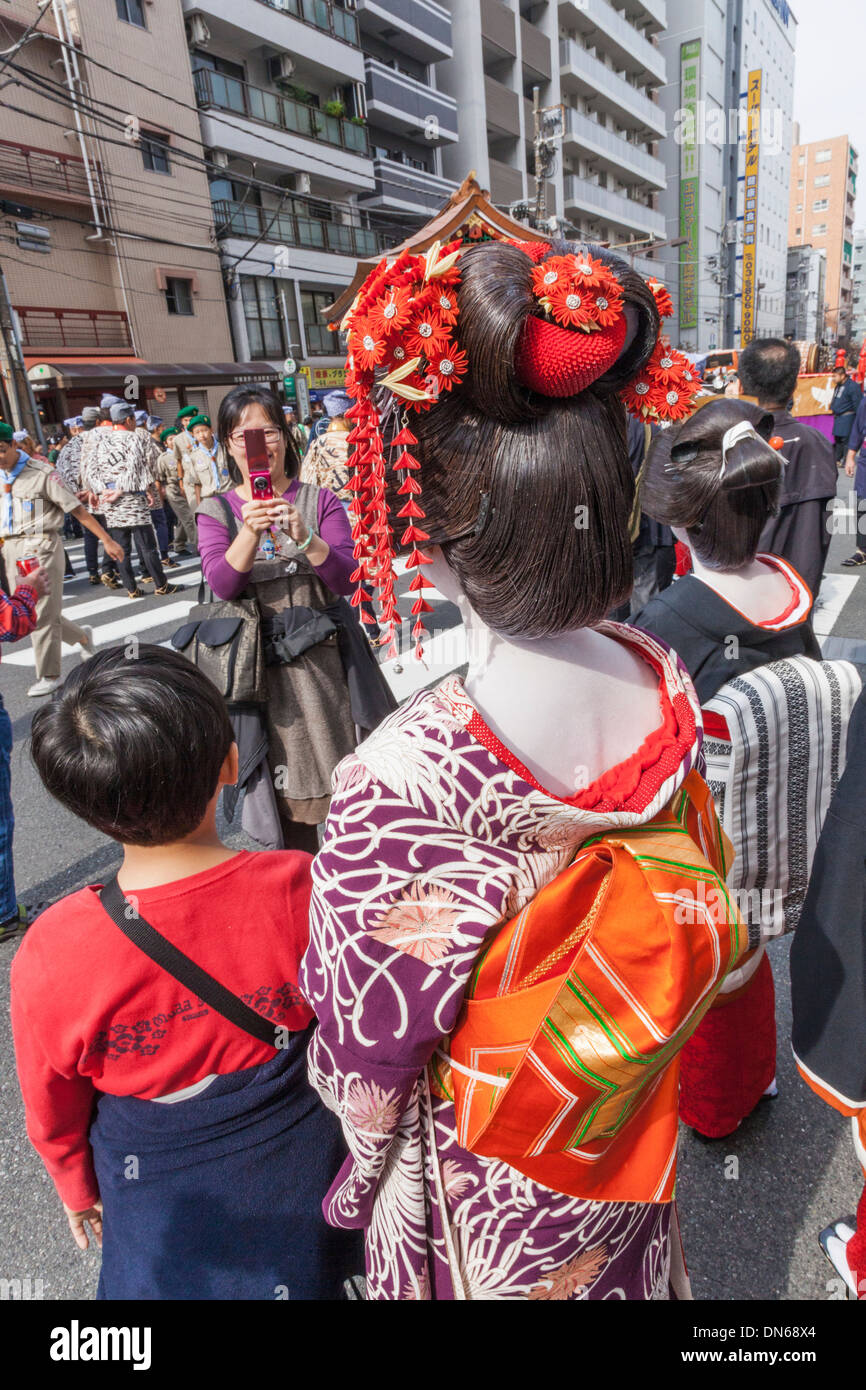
<point x="182" y="969"/>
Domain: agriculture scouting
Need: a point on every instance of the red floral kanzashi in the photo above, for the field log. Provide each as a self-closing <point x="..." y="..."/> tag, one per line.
<point x="367" y="344"/>
<point x="664" y="303"/>
<point x="392" y="312"/>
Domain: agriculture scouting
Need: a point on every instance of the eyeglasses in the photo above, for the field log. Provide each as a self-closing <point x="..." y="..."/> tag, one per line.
<point x="271" y="437"/>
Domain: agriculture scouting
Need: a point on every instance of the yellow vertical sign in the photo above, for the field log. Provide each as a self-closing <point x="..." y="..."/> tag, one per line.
<point x="750" y="207"/>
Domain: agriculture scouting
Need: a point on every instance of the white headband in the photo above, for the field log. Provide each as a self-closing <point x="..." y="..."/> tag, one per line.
<point x="743" y="429"/>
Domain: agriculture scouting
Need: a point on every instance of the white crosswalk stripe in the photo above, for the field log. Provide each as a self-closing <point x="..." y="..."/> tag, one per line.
<point x="114" y="617"/>
<point x="170" y="610"/>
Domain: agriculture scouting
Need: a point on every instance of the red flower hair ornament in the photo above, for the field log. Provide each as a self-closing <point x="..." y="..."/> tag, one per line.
<point x="403" y="339"/>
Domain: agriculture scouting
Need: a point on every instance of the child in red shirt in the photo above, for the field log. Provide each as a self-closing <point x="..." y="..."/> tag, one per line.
<point x="201" y="1148"/>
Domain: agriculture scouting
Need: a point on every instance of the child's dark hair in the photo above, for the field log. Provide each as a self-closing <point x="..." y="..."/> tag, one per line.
<point x="232" y="408"/>
<point x="554" y="552"/>
<point x="134" y="745"/>
<point x="723" y="511"/>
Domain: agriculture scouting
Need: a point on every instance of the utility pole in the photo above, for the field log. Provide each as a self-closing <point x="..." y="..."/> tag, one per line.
<point x="24" y="402"/>
<point x="549" y="131"/>
<point x="540" y="191"/>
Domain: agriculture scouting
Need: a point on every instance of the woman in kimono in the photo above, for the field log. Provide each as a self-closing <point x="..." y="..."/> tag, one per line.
<point x="475" y="794"/>
<point x="736" y="611"/>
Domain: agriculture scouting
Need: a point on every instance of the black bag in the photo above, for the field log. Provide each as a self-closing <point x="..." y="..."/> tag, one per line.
<point x="294" y="631"/>
<point x="223" y="639"/>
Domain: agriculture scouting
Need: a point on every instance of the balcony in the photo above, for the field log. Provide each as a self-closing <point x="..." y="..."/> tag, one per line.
<point x="299" y="122"/>
<point x="497" y="29"/>
<point x="419" y="28"/>
<point x="585" y="136"/>
<point x="608" y="90"/>
<point x="535" y="48"/>
<point x="653" y="10"/>
<point x="74" y="330"/>
<point x="627" y="45"/>
<point x="323" y="34"/>
<point x="399" y="103"/>
<point x="503" y="108"/>
<point x="320" y="14"/>
<point x="402" y="188"/>
<point x="30" y="170"/>
<point x="600" y="203"/>
<point x="506" y="184"/>
<point x="291" y="229"/>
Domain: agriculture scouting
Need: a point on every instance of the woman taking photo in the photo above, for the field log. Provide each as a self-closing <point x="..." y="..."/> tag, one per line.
<point x="292" y="551"/>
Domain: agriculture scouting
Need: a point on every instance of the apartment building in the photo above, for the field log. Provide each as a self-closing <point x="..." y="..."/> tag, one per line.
<point x="822" y="195"/>
<point x="805" y="293"/>
<point x="410" y="120"/>
<point x="335" y="110"/>
<point x="98" y="149"/>
<point x="612" y="74"/>
<point x="858" y="298"/>
<point x="503" y="50"/>
<point x="729" y="105"/>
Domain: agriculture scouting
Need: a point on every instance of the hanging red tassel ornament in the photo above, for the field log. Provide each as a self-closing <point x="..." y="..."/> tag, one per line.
<point x="403" y="438"/>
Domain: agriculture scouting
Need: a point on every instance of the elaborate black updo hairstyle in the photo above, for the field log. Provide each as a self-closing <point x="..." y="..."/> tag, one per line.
<point x="553" y="553"/>
<point x="723" y="512"/>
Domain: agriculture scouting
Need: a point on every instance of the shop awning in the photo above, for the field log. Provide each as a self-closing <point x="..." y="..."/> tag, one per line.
<point x="96" y="373"/>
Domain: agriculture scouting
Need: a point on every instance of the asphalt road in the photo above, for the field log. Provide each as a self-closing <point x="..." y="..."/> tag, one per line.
<point x="749" y="1227"/>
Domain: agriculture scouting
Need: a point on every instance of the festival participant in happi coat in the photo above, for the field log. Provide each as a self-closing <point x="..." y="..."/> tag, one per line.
<point x="326" y="463"/>
<point x="115" y="468"/>
<point x="800" y="529"/>
<point x="491" y="996"/>
<point x="186" y="1139"/>
<point x="69" y="468"/>
<point x="35" y="501"/>
<point x="846" y="399"/>
<point x="716" y="481"/>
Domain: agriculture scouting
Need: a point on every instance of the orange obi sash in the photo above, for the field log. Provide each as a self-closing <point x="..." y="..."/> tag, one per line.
<point x="565" y="1060"/>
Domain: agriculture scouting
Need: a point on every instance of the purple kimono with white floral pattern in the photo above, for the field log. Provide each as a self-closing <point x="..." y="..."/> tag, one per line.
<point x="431" y="843"/>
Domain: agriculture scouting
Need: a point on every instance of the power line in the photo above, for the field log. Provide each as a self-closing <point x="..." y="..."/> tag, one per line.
<point x="261" y="185"/>
<point x="45" y="89"/>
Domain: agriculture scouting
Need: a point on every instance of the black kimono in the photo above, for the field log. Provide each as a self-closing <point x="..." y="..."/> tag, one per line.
<point x="714" y="640"/>
<point x="799" y="532"/>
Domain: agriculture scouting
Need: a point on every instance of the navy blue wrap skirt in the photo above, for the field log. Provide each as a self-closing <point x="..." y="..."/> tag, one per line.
<point x="220" y="1196"/>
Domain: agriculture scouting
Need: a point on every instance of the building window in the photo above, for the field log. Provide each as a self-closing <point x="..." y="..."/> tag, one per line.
<point x="822" y="180"/>
<point x="154" y="153"/>
<point x="262" y="314"/>
<point x="178" y="295"/>
<point x="819" y="229"/>
<point x="799" y="183"/>
<point x="132" y="11"/>
<point x="799" y="207"/>
<point x="823" y="156"/>
<point x="321" y="342"/>
<point x="820" y="205"/>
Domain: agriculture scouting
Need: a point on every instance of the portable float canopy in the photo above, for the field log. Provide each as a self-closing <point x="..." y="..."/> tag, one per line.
<point x="468" y="215"/>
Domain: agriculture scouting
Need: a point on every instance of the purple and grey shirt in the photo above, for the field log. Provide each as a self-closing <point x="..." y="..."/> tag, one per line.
<point x="333" y="526"/>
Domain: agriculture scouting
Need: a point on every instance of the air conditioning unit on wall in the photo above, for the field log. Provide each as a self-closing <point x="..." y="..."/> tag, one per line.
<point x="197" y="32"/>
<point x="281" y="69"/>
